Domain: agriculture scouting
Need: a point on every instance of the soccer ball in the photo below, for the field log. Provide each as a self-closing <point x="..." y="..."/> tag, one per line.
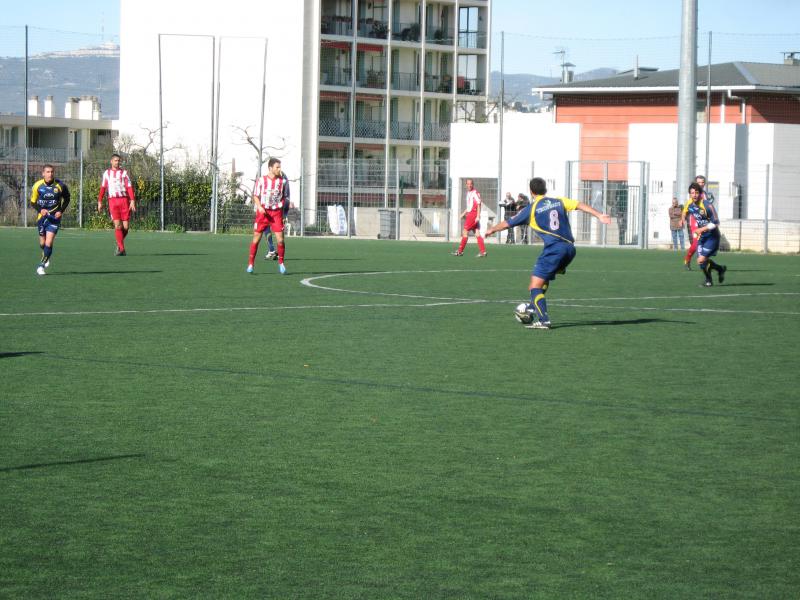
<point x="523" y="314"/>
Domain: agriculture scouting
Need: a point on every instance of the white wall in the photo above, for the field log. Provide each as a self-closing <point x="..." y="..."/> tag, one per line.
<point x="187" y="77"/>
<point x="656" y="144"/>
<point x="530" y="141"/>
<point x="785" y="193"/>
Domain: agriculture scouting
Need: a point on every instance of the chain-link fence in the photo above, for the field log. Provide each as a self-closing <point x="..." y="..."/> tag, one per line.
<point x="759" y="206"/>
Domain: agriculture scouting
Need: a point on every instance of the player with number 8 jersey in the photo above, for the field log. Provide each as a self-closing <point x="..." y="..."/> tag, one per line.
<point x="548" y="216"/>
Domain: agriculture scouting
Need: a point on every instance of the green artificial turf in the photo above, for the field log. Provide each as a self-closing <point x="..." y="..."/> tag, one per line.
<point x="171" y="427"/>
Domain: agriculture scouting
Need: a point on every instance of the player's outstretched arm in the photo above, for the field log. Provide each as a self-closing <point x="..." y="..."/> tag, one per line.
<point x="501" y="226"/>
<point x="604" y="218"/>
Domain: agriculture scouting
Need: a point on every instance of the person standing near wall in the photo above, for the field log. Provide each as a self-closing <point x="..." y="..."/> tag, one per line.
<point x="675" y="226"/>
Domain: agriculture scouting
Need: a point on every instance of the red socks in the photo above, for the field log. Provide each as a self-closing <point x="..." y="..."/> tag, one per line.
<point x="481" y="245"/>
<point x="462" y="245"/>
<point x="253" y="250"/>
<point x="281" y="252"/>
<point x="118" y="233"/>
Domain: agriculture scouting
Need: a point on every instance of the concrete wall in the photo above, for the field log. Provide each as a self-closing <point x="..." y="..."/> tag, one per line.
<point x="187" y="66"/>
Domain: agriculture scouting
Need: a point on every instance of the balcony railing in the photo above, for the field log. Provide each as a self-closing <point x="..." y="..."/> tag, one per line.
<point x="472" y="39"/>
<point x="407" y="82"/>
<point x="334" y="77"/>
<point x="470" y="87"/>
<point x="334" y="127"/>
<point x="434" y="181"/>
<point x="372" y="79"/>
<point x="368" y="173"/>
<point x="336" y="25"/>
<point x="371" y="129"/>
<point x="400" y="130"/>
<point x="436" y="132"/>
<point x="443" y="36"/>
<point x="373" y="28"/>
<point x="405" y="32"/>
<point x="442" y="84"/>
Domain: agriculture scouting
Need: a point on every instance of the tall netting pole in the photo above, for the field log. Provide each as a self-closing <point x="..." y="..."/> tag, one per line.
<point x="161" y="133"/>
<point x="25" y="135"/>
<point x="687" y="95"/>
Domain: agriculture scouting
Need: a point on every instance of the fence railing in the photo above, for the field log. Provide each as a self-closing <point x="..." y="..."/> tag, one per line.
<point x="759" y="210"/>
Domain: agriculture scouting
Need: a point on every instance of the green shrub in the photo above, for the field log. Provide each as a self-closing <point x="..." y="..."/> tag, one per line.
<point x="151" y="222"/>
<point x="176" y="228"/>
<point x="98" y="221"/>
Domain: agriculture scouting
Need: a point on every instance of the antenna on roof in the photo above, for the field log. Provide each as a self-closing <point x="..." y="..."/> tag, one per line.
<point x="566" y="74"/>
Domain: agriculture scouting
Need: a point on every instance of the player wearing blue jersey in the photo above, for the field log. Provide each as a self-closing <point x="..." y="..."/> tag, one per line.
<point x="707" y="232"/>
<point x="50" y="197"/>
<point x="548" y="216"/>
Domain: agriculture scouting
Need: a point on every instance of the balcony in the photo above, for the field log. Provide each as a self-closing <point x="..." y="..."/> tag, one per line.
<point x="435" y="132"/>
<point x="406" y="32"/>
<point x="442" y="36"/>
<point x="405" y="82"/>
<point x="373" y="28"/>
<point x="400" y="130"/>
<point x="335" y="77"/>
<point x="336" y="25"/>
<point x="442" y="84"/>
<point x="370" y="129"/>
<point x="434" y="181"/>
<point x="472" y="39"/>
<point x="372" y="79"/>
<point x="334" y="127"/>
<point x="470" y="87"/>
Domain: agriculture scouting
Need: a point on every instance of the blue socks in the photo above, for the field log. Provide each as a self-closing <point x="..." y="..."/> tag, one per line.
<point x="539" y="304"/>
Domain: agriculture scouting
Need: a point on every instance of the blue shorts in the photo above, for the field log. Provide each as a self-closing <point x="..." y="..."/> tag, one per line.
<point x="708" y="245"/>
<point x="47" y="223"/>
<point x="554" y="259"/>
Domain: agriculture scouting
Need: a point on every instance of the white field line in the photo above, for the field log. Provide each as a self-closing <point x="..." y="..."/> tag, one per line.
<point x="435" y="301"/>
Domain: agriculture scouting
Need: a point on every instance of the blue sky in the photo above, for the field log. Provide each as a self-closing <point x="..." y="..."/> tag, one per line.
<point x="593" y="34"/>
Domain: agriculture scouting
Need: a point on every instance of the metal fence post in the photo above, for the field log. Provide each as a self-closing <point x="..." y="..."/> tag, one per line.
<point x="80" y="193"/>
<point x="766" y="214"/>
<point x="604" y="230"/>
<point x="448" y="201"/>
<point x="397" y="205"/>
<point x="644" y="177"/>
<point x="301" y="204"/>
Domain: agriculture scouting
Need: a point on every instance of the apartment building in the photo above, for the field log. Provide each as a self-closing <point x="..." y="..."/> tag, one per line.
<point x="393" y="76"/>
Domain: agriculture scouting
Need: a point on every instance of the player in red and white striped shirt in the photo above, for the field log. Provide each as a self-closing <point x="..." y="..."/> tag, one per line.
<point x="270" y="196"/>
<point x="121" y="200"/>
<point x="473" y="222"/>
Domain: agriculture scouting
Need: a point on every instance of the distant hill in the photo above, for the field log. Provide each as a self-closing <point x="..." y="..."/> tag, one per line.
<point x="518" y="86"/>
<point x="86" y="72"/>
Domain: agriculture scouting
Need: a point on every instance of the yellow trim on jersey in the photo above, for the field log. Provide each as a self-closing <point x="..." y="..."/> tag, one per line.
<point x="689" y="203"/>
<point x="35" y="191"/>
<point x="569" y="206"/>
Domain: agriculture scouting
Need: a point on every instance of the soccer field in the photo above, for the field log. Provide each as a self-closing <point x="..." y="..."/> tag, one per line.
<point x="375" y="424"/>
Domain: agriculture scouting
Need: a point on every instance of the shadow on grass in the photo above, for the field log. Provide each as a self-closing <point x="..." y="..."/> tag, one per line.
<point x="618" y="322"/>
<point x="130" y="272"/>
<point x="80" y="461"/>
<point x="172" y="254"/>
<point x="15" y="354"/>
